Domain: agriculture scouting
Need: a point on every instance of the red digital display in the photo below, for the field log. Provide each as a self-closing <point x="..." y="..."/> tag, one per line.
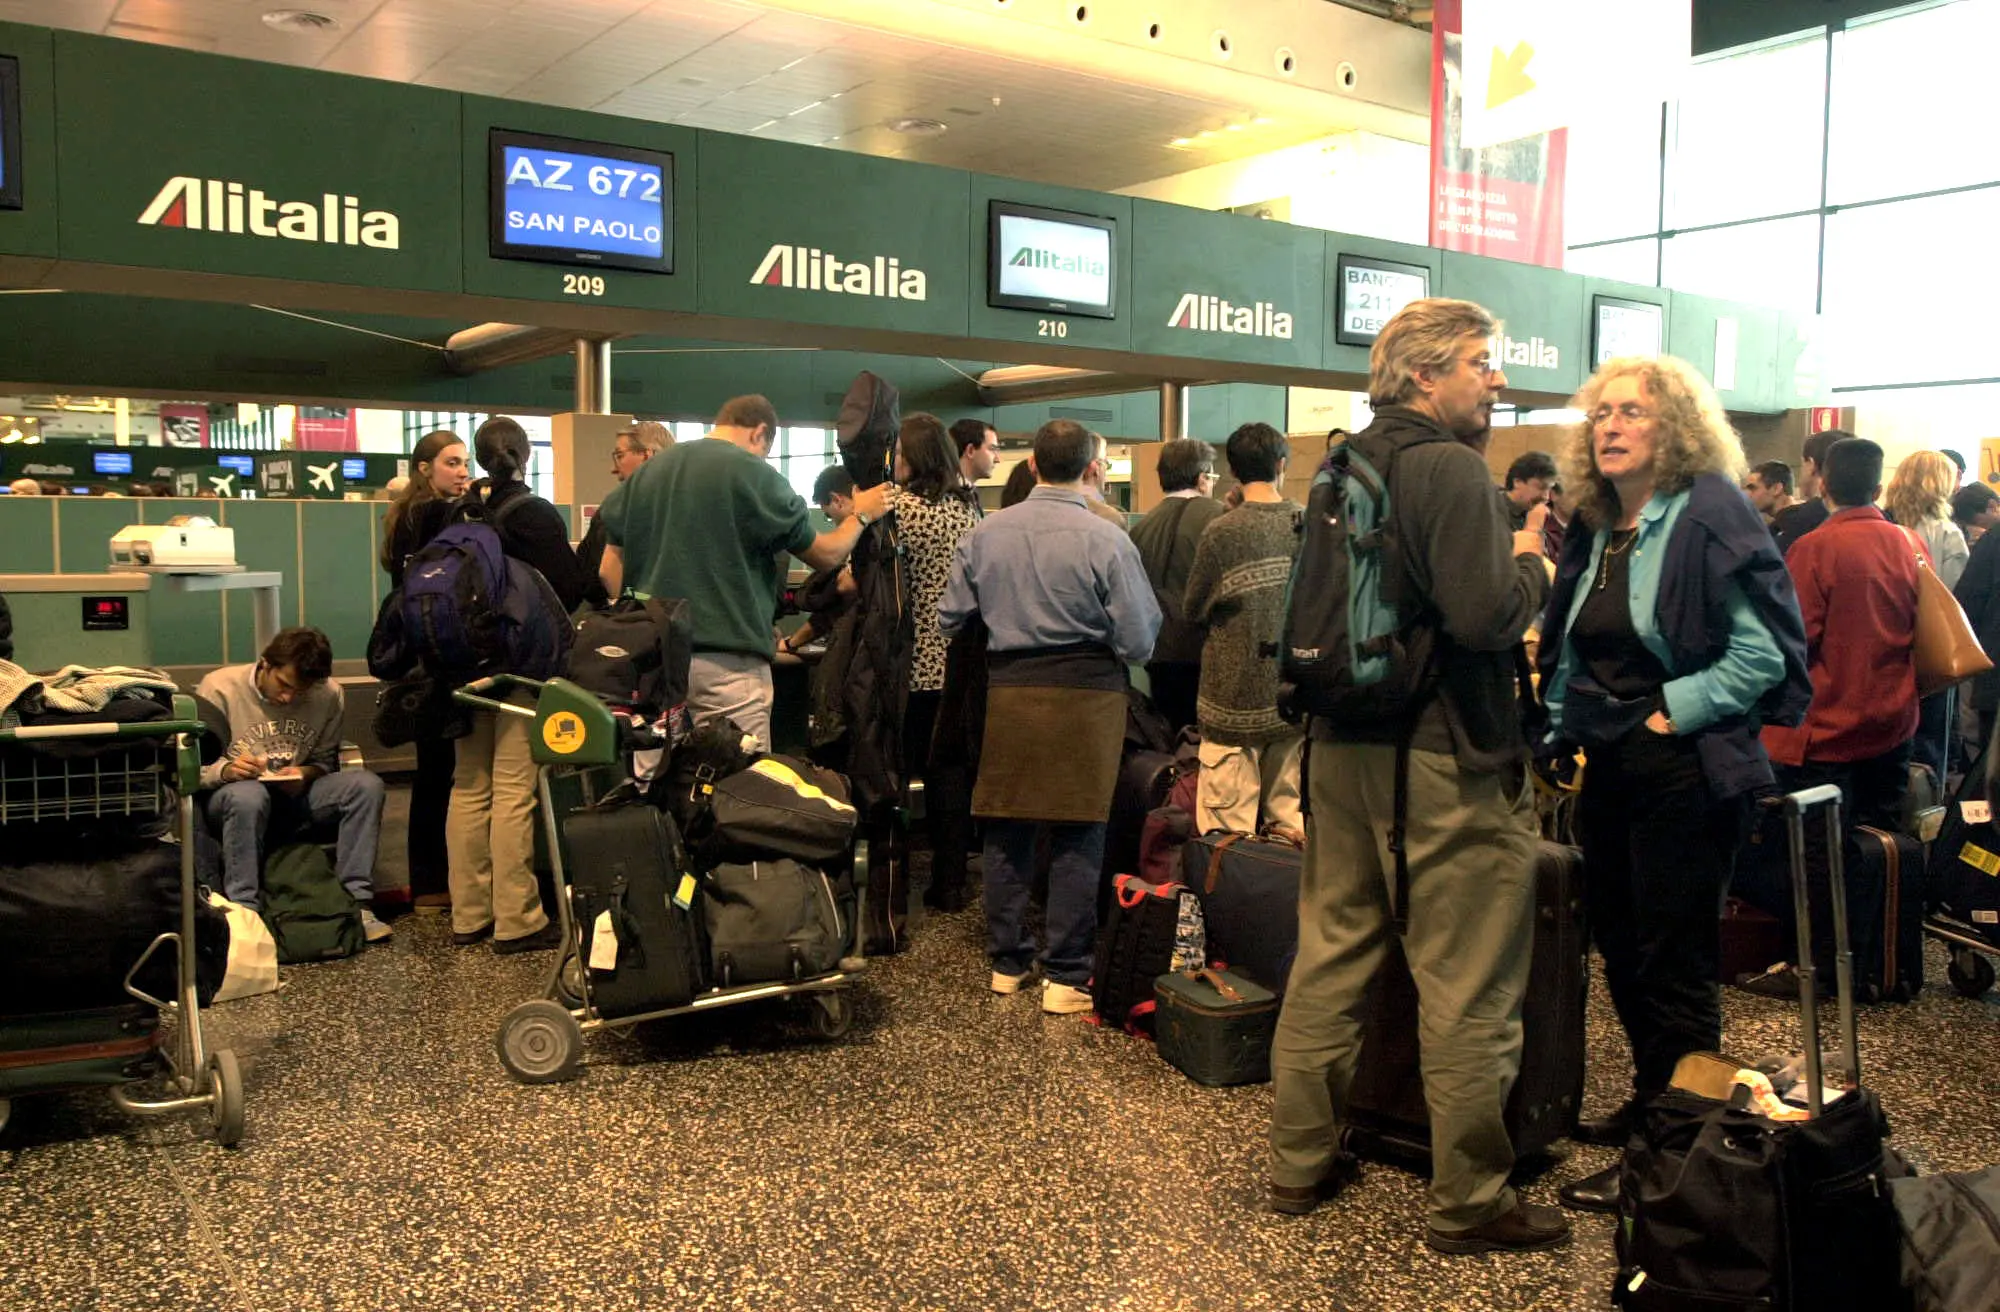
<point x="102" y="613"/>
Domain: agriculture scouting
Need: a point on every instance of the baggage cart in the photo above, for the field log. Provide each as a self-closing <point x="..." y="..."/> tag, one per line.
<point x="541" y="1040"/>
<point x="152" y="771"/>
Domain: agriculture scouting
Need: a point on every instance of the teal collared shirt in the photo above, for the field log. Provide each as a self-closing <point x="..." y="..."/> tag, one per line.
<point x="1752" y="663"/>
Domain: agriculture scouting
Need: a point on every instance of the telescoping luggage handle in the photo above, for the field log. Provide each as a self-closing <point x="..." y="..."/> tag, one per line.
<point x="1796" y="806"/>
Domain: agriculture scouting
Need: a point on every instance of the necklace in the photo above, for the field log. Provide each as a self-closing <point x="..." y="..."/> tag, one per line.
<point x="1615" y="547"/>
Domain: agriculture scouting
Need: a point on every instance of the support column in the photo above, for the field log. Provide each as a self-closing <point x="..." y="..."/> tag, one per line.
<point x="593" y="376"/>
<point x="1173" y="411"/>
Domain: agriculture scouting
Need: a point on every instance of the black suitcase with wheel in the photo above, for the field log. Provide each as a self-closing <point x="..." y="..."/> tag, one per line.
<point x="1387" y="1117"/>
<point x="1249" y="891"/>
<point x="629" y="877"/>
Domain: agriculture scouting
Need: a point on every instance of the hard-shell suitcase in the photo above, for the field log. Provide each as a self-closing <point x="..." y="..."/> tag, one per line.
<point x="1889" y="947"/>
<point x="1387" y="1117"/>
<point x="629" y="877"/>
<point x="1721" y="1207"/>
<point x="1249" y="890"/>
<point x="1215" y="1026"/>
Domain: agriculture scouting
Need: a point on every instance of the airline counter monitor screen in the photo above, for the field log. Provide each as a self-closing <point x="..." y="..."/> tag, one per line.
<point x="1051" y="260"/>
<point x="581" y="203"/>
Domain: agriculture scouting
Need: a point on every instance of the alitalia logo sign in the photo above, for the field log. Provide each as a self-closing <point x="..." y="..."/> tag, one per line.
<point x="219" y="205"/>
<point x="1212" y="314"/>
<point x="1028" y="257"/>
<point x="808" y="268"/>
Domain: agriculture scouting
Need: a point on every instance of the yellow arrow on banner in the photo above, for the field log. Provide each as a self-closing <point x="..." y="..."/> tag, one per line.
<point x="1509" y="77"/>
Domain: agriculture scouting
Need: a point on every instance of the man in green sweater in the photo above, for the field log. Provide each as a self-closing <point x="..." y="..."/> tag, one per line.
<point x="1236" y="586"/>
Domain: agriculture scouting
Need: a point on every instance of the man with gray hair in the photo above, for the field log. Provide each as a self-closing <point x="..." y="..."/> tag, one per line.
<point x="1166" y="539"/>
<point x="1464" y="811"/>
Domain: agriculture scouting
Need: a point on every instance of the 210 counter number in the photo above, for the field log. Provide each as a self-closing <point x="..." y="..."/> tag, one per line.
<point x="1051" y="328"/>
<point x="582" y="284"/>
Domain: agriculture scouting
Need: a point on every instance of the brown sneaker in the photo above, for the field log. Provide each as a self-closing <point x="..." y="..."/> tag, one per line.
<point x="1527" y="1229"/>
<point x="1298" y="1200"/>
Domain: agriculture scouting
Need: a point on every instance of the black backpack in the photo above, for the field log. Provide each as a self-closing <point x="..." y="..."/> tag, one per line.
<point x="1143" y="929"/>
<point x="635" y="653"/>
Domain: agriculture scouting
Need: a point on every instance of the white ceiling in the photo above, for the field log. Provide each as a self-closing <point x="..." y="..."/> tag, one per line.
<point x="1025" y="89"/>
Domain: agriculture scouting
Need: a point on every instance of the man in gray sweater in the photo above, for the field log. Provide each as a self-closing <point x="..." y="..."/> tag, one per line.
<point x="1236" y="589"/>
<point x="281" y="775"/>
<point x="1469" y="821"/>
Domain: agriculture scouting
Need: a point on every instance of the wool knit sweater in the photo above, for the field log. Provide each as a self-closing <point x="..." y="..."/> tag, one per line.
<point x="1237" y="587"/>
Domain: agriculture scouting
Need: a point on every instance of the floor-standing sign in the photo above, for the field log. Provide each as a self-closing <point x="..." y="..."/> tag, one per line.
<point x="1506" y="199"/>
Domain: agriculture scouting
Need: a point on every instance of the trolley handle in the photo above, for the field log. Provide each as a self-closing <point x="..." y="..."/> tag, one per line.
<point x="473" y="694"/>
<point x="104" y="729"/>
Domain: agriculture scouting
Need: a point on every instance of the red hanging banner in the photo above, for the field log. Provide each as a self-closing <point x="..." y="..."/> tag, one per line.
<point x="1503" y="200"/>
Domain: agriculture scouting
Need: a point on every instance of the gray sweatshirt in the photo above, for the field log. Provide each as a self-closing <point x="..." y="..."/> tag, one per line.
<point x="307" y="732"/>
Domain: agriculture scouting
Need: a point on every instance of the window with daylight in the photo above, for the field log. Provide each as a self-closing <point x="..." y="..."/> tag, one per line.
<point x="1744" y="138"/>
<point x="1611" y="187"/>
<point x="1870" y="138"/>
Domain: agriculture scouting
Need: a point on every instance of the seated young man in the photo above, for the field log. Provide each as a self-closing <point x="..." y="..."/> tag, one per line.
<point x="281" y="776"/>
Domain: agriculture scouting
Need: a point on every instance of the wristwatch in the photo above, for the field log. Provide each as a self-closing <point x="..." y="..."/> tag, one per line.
<point x="864" y="517"/>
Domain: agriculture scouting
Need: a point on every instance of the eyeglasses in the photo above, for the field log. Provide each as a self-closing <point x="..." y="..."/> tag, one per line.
<point x="1629" y="412"/>
<point x="1482" y="364"/>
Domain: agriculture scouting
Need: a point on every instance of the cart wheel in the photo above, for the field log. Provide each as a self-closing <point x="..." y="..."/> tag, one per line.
<point x="225" y="1088"/>
<point x="1971" y="974"/>
<point x="569" y="982"/>
<point x="540" y="1043"/>
<point x="832" y="1014"/>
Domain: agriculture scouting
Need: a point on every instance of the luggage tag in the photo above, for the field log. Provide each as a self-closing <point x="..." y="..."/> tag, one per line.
<point x="1976" y="812"/>
<point x="684" y="892"/>
<point x="603" y="943"/>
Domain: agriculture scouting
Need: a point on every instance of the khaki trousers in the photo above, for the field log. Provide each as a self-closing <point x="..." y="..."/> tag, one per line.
<point x="490" y="833"/>
<point x="1471" y="847"/>
<point x="1239" y="782"/>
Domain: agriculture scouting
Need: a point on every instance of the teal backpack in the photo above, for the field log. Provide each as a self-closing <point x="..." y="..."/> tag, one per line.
<point x="311" y="916"/>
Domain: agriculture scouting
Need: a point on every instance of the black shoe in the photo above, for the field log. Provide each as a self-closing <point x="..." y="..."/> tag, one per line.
<point x="946" y="898"/>
<point x="467" y="940"/>
<point x="1297" y="1200"/>
<point x="1593" y="1193"/>
<point x="548" y="936"/>
<point x="1527" y="1229"/>
<point x="1608" y="1131"/>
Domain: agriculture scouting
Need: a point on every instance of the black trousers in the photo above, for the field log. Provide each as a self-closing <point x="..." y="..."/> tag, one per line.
<point x="1658" y="851"/>
<point x="948" y="812"/>
<point x="1175" y="684"/>
<point x="430" y="799"/>
<point x="1872" y="795"/>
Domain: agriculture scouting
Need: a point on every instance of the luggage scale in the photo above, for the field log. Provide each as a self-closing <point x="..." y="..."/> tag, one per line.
<point x="541" y="1040"/>
<point x="155" y="771"/>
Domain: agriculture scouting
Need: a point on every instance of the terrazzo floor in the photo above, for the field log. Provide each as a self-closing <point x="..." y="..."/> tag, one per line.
<point x="955" y="1151"/>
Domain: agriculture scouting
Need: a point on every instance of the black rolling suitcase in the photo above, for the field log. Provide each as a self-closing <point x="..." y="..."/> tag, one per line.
<point x="1249" y="891"/>
<point x="1889" y="947"/>
<point x="1387" y="1118"/>
<point x="629" y="875"/>
<point x="1721" y="1207"/>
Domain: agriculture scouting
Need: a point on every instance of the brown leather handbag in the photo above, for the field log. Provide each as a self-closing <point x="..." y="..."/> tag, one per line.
<point x="1947" y="651"/>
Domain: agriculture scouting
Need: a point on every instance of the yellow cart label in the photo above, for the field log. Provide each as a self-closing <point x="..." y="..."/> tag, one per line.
<point x="563" y="732"/>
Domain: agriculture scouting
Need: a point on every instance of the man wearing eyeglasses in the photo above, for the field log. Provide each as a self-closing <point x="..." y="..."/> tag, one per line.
<point x="1166" y="539"/>
<point x="1465" y="809"/>
<point x="632" y="448"/>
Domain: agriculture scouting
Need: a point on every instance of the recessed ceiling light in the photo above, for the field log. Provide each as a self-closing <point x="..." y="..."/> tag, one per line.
<point x="304" y="21"/>
<point x="1235" y="127"/>
<point x="919" y="127"/>
<point x="1181" y="143"/>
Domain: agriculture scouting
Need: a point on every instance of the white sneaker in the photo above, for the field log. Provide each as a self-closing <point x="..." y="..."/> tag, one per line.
<point x="1063" y="1000"/>
<point x="372" y="927"/>
<point x="1006" y="985"/>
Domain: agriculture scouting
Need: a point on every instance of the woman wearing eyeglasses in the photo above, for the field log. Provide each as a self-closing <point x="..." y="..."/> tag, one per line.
<point x="1672" y="633"/>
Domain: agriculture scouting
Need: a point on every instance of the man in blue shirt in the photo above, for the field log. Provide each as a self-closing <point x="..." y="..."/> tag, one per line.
<point x="1067" y="606"/>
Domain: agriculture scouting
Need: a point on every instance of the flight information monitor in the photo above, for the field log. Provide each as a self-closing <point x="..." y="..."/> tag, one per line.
<point x="10" y="133"/>
<point x="111" y="462"/>
<point x="580" y="202"/>
<point x="1051" y="260"/>
<point x="1369" y="292"/>
<point x="1621" y="327"/>
<point x="354" y="469"/>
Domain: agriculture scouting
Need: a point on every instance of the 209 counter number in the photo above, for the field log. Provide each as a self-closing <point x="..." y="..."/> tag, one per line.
<point x="583" y="284"/>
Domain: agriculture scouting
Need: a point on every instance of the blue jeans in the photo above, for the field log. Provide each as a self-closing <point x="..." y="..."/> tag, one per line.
<point x="1075" y="853"/>
<point x="251" y="818"/>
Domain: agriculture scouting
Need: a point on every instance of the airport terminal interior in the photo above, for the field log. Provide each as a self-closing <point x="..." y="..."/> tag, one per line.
<point x="277" y="283"/>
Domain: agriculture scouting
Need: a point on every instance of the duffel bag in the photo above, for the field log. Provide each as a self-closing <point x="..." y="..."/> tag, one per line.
<point x="781" y="806"/>
<point x="1951" y="1239"/>
<point x="770" y="921"/>
<point x="716" y="749"/>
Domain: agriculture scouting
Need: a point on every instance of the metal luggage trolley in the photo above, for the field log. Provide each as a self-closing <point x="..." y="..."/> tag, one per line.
<point x="541" y="1040"/>
<point x="154" y="772"/>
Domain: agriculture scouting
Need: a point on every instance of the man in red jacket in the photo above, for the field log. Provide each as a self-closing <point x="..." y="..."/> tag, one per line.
<point x="1857" y="580"/>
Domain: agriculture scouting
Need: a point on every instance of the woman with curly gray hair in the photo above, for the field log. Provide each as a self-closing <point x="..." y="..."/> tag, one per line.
<point x="1672" y="633"/>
